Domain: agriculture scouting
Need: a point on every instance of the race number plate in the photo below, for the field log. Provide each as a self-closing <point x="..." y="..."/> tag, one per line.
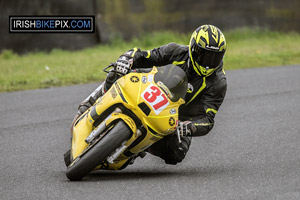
<point x="155" y="98"/>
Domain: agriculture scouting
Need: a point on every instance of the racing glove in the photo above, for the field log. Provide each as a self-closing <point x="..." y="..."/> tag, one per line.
<point x="186" y="128"/>
<point x="123" y="64"/>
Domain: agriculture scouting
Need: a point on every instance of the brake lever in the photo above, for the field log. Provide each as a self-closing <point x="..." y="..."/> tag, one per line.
<point x="178" y="135"/>
<point x="109" y="66"/>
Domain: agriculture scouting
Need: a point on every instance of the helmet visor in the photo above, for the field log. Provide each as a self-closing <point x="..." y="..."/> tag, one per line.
<point x="206" y="57"/>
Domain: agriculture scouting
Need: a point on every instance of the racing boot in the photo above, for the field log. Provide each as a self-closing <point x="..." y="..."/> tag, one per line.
<point x="89" y="101"/>
<point x="92" y="98"/>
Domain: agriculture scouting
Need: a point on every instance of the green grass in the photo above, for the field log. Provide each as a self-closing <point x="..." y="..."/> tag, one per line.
<point x="256" y="48"/>
<point x="247" y="48"/>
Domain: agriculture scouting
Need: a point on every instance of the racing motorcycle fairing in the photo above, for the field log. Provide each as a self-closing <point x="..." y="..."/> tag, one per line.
<point x="147" y="102"/>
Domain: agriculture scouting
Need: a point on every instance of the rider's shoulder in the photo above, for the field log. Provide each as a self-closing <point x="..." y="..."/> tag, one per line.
<point x="176" y="49"/>
<point x="218" y="80"/>
<point x="220" y="73"/>
<point x="174" y="45"/>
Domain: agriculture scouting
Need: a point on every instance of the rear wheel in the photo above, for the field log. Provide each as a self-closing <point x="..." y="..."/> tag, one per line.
<point x="85" y="163"/>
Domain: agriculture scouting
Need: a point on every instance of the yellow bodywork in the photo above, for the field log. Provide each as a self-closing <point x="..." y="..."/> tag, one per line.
<point x="130" y="90"/>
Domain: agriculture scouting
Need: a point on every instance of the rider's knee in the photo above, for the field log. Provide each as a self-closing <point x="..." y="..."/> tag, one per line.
<point x="170" y="150"/>
<point x="177" y="151"/>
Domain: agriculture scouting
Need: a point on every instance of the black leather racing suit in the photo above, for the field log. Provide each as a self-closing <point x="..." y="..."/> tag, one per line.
<point x="205" y="94"/>
<point x="203" y="99"/>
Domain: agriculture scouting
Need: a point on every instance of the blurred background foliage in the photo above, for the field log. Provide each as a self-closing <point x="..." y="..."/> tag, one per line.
<point x="127" y="19"/>
<point x="247" y="48"/>
<point x="258" y="32"/>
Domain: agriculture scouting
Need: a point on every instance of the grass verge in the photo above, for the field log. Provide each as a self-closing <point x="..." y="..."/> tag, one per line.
<point x="247" y="48"/>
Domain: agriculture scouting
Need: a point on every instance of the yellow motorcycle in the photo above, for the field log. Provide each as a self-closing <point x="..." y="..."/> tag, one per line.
<point x="138" y="110"/>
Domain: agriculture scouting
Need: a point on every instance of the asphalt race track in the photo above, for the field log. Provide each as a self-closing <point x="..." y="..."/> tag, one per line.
<point x="253" y="152"/>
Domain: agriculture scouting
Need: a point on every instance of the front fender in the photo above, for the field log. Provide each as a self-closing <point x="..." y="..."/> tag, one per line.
<point x="130" y="123"/>
<point x="120" y="116"/>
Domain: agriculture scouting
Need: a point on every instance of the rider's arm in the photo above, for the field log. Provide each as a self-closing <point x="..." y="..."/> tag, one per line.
<point x="207" y="107"/>
<point x="160" y="56"/>
<point x="212" y="102"/>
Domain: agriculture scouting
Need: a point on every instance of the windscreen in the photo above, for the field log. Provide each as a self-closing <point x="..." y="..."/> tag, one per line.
<point x="173" y="80"/>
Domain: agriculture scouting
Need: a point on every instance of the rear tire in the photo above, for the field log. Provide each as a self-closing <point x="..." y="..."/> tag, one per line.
<point x="99" y="152"/>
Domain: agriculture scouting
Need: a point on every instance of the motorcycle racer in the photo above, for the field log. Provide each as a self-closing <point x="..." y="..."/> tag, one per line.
<point x="202" y="60"/>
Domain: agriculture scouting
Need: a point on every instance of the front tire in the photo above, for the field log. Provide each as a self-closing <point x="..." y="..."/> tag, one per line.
<point x="85" y="163"/>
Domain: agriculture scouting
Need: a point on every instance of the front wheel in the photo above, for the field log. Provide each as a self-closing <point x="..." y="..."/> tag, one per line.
<point x="85" y="163"/>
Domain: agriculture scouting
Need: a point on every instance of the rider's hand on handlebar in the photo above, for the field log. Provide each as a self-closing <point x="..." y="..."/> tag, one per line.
<point x="123" y="65"/>
<point x="186" y="128"/>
